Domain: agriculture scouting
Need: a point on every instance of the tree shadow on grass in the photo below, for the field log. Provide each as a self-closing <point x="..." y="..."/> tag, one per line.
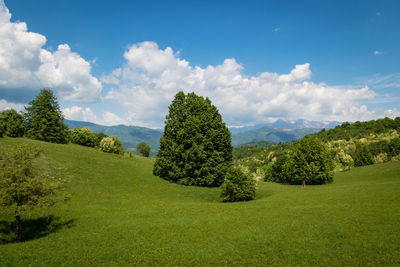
<point x="32" y="228"/>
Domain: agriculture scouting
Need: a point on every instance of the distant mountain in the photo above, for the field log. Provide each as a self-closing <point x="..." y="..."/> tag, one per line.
<point x="130" y="136"/>
<point x="289" y="124"/>
<point x="271" y="134"/>
<point x="279" y="131"/>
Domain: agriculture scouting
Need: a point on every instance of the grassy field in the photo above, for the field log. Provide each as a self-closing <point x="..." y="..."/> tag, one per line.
<point x="120" y="214"/>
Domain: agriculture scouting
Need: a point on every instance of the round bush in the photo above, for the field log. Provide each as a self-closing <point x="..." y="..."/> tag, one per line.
<point x="238" y="186"/>
<point x="12" y="122"/>
<point x="83" y="136"/>
<point x="111" y="144"/>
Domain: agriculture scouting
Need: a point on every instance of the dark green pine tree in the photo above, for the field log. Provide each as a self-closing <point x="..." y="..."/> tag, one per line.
<point x="44" y="119"/>
<point x="196" y="146"/>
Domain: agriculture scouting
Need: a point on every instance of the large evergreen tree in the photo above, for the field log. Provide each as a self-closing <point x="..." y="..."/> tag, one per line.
<point x="196" y="146"/>
<point x="44" y="119"/>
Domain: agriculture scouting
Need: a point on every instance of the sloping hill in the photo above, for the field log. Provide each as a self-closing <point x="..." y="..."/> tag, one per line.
<point x="120" y="214"/>
<point x="130" y="136"/>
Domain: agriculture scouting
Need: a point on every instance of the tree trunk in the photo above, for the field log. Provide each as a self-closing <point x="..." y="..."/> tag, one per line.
<point x="18" y="227"/>
<point x="304" y="183"/>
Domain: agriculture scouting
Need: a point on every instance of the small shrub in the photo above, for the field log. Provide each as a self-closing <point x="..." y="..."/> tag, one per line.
<point x="99" y="137"/>
<point x="84" y="136"/>
<point x="143" y="149"/>
<point x="111" y="144"/>
<point x="12" y="123"/>
<point x="238" y="186"/>
<point x="363" y="156"/>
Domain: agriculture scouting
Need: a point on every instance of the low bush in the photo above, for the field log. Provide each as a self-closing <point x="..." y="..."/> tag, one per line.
<point x="12" y="123"/>
<point x="363" y="156"/>
<point x="111" y="144"/>
<point x="84" y="136"/>
<point x="238" y="186"/>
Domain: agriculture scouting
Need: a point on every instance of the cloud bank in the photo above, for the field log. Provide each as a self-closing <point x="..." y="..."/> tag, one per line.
<point x="26" y="66"/>
<point x="86" y="114"/>
<point x="150" y="77"/>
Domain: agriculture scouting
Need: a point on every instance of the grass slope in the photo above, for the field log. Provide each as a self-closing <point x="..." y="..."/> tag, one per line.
<point x="121" y="214"/>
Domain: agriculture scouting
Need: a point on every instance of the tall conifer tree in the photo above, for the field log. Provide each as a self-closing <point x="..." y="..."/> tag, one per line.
<point x="44" y="119"/>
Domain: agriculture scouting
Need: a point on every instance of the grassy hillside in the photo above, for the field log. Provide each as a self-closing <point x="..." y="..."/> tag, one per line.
<point x="120" y="214"/>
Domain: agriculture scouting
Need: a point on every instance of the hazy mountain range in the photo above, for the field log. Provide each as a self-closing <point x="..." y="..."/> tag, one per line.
<point x="279" y="131"/>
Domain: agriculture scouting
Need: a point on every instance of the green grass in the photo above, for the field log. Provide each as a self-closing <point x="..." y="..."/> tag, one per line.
<point x="120" y="214"/>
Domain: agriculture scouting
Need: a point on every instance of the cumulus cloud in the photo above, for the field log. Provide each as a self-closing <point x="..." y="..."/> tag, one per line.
<point x="150" y="77"/>
<point x="86" y="114"/>
<point x="25" y="64"/>
<point x="391" y="113"/>
<point x="9" y="105"/>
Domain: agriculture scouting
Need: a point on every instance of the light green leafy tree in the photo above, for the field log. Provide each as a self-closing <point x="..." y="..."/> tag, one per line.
<point x="143" y="149"/>
<point x="21" y="187"/>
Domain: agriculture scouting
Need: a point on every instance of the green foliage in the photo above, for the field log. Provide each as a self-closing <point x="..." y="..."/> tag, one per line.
<point x="238" y="186"/>
<point x="45" y="120"/>
<point x="111" y="144"/>
<point x="309" y="162"/>
<point x="363" y="156"/>
<point x="99" y="137"/>
<point x="84" y="136"/>
<point x="143" y="149"/>
<point x="12" y="122"/>
<point x="2" y="129"/>
<point x="19" y="185"/>
<point x="196" y="146"/>
<point x="348" y="131"/>
<point x="249" y="149"/>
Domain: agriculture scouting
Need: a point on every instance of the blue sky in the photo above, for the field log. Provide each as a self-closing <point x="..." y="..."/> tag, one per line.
<point x="114" y="62"/>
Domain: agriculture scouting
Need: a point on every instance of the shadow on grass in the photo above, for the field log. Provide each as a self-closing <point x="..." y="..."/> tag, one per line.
<point x="32" y="228"/>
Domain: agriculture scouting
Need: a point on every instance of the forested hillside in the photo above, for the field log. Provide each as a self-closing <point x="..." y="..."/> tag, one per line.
<point x="350" y="145"/>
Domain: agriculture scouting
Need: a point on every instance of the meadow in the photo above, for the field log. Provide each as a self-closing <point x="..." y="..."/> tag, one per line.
<point x="121" y="214"/>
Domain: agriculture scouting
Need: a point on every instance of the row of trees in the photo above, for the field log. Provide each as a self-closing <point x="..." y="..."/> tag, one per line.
<point x="358" y="129"/>
<point x="43" y="120"/>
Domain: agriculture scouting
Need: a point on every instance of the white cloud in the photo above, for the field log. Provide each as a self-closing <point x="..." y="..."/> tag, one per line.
<point x="86" y="114"/>
<point x="9" y="105"/>
<point x="391" y="113"/>
<point x="150" y="77"/>
<point x="276" y="29"/>
<point x="25" y="64"/>
<point x="377" y="53"/>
